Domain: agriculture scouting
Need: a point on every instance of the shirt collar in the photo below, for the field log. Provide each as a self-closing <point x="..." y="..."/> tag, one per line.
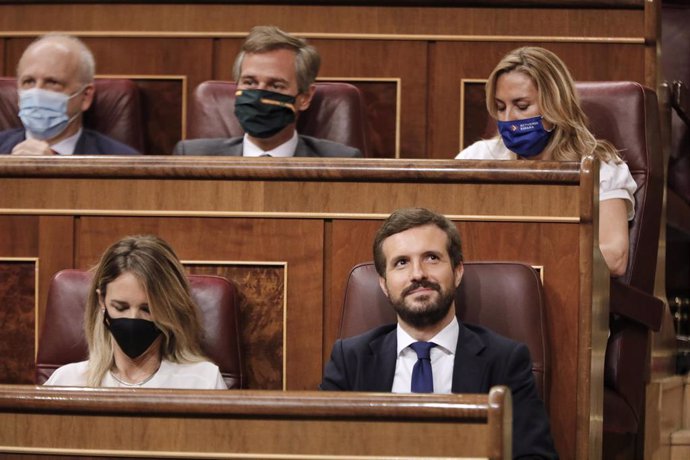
<point x="287" y="149"/>
<point x="65" y="146"/>
<point x="447" y="338"/>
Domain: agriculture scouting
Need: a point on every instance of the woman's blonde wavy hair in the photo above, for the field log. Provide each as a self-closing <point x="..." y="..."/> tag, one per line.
<point x="153" y="262"/>
<point x="559" y="103"/>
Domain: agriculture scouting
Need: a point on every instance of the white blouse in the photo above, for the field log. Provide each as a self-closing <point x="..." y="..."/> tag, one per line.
<point x="203" y="375"/>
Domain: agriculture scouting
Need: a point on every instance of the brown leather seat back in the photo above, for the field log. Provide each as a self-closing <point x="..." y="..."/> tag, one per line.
<point x="335" y="113"/>
<point x="506" y="297"/>
<point x="626" y="114"/>
<point x="115" y="112"/>
<point x="62" y="337"/>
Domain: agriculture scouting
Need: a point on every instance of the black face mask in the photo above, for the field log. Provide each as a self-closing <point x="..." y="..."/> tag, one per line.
<point x="264" y="113"/>
<point x="134" y="336"/>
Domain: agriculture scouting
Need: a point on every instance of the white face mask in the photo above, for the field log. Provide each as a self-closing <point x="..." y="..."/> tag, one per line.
<point x="44" y="113"/>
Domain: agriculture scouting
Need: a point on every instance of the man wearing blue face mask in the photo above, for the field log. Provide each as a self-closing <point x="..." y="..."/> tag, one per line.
<point x="55" y="86"/>
<point x="275" y="74"/>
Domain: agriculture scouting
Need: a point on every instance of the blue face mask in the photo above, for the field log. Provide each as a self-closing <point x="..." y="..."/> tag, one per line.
<point x="44" y="113"/>
<point x="525" y="137"/>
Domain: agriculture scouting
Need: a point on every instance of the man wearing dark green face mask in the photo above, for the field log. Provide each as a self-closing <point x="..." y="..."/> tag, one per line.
<point x="275" y="74"/>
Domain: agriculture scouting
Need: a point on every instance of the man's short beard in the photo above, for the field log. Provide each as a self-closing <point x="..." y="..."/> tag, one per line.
<point x="431" y="314"/>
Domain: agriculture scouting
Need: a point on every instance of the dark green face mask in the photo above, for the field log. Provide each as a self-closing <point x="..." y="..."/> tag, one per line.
<point x="264" y="113"/>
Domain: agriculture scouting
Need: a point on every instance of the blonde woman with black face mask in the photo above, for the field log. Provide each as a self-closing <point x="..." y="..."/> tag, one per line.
<point x="141" y="324"/>
<point x="532" y="97"/>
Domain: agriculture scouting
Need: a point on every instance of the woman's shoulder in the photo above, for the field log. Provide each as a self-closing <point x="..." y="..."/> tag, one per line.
<point x="69" y="375"/>
<point x="616" y="175"/>
<point x="616" y="182"/>
<point x="487" y="149"/>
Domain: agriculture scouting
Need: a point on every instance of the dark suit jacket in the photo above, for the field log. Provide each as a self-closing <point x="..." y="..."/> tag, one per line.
<point x="482" y="359"/>
<point x="89" y="143"/>
<point x="307" y="146"/>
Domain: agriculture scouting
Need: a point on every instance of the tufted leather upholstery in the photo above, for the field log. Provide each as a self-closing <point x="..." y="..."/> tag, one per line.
<point x="115" y="112"/>
<point x="62" y="339"/>
<point x="505" y="297"/>
<point x="335" y="113"/>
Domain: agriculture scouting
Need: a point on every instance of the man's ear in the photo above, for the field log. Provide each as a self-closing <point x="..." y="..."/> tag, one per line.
<point x="382" y="283"/>
<point x="459" y="271"/>
<point x="303" y="100"/>
<point x="88" y="95"/>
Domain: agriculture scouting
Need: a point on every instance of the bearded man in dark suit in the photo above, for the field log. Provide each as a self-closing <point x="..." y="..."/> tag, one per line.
<point x="418" y="256"/>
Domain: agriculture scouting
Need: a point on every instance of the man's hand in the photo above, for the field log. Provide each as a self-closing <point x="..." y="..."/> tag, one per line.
<point x="32" y="147"/>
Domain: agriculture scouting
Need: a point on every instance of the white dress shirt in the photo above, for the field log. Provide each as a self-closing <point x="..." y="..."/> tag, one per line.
<point x="286" y="149"/>
<point x="442" y="359"/>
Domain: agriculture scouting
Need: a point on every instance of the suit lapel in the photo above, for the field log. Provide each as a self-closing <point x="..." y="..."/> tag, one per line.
<point x="470" y="368"/>
<point x="380" y="370"/>
<point x="303" y="150"/>
<point x="83" y="147"/>
<point x="234" y="147"/>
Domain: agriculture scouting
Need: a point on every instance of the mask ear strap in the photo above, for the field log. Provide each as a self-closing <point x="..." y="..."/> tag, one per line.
<point x="79" y="91"/>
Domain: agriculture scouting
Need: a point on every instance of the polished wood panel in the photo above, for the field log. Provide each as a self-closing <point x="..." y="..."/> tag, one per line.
<point x="574" y="22"/>
<point x="20" y="236"/>
<point x="234" y="424"/>
<point x="261" y="316"/>
<point x="371" y="58"/>
<point x="56" y="247"/>
<point x="626" y="4"/>
<point x="17" y="317"/>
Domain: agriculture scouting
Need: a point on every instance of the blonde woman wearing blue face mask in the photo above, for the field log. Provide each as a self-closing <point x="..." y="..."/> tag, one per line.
<point x="55" y="87"/>
<point x="531" y="94"/>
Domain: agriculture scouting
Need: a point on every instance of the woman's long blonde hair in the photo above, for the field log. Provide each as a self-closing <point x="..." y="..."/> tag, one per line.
<point x="560" y="105"/>
<point x="153" y="262"/>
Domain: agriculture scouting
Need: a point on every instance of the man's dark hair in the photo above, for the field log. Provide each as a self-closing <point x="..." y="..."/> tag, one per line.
<point x="407" y="218"/>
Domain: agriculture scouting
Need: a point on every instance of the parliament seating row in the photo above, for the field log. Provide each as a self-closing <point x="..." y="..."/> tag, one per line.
<point x="335" y="112"/>
<point x="505" y="297"/>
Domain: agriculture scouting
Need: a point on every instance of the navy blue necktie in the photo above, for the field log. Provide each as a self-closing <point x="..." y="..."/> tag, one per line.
<point x="422" y="377"/>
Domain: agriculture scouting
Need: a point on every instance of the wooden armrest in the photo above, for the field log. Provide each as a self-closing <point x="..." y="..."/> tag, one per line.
<point x="636" y="305"/>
